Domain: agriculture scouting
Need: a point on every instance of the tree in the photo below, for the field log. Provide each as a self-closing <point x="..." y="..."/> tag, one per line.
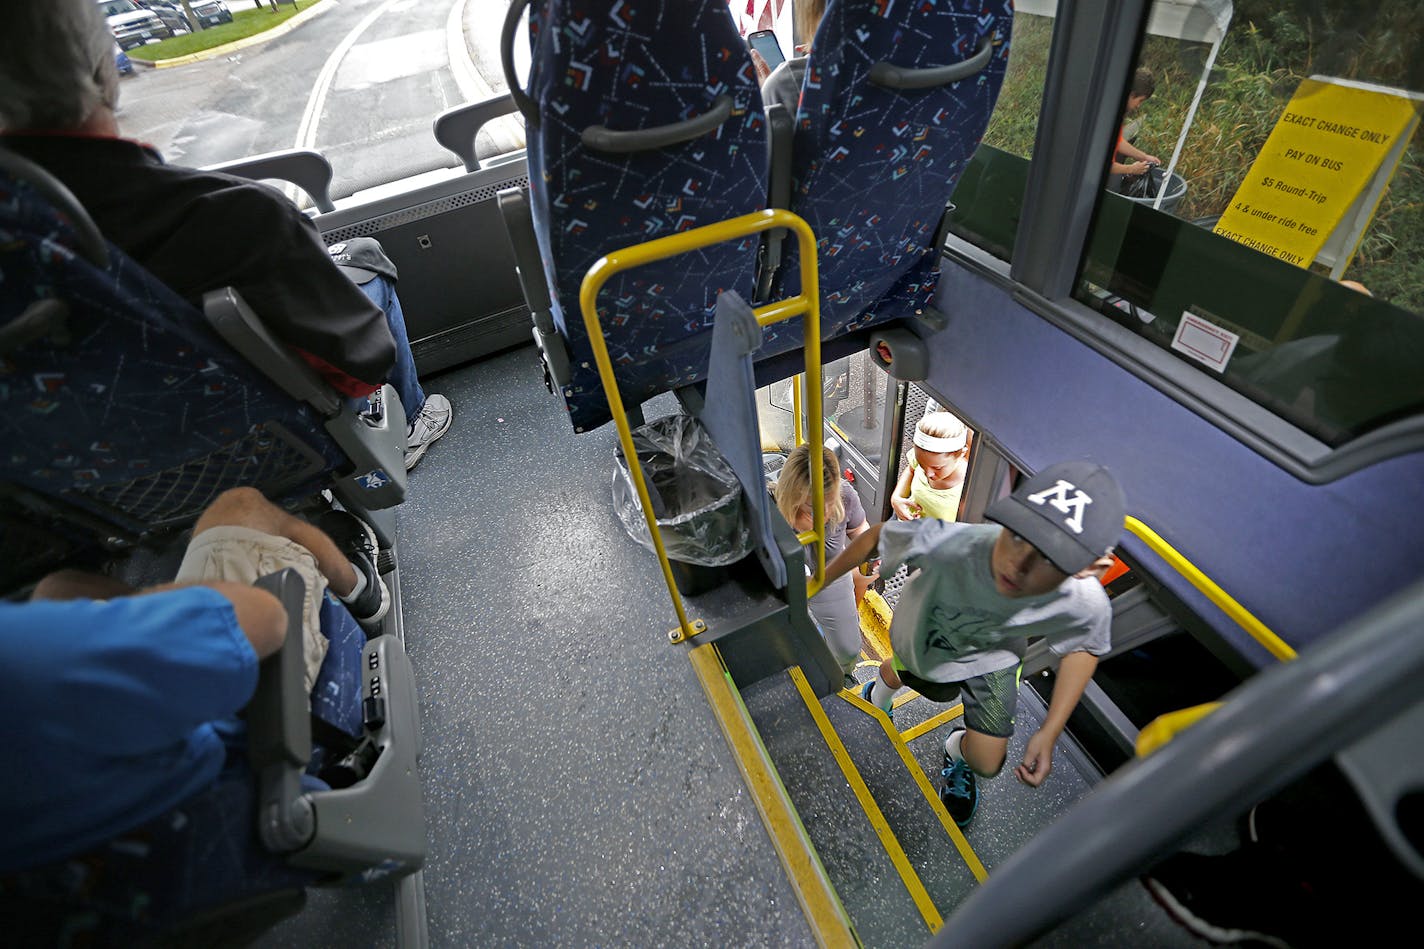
<point x="193" y="22"/>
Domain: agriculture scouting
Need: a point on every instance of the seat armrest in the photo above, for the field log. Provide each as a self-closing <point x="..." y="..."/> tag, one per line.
<point x="236" y="323"/>
<point x="279" y="728"/>
<point x="529" y="265"/>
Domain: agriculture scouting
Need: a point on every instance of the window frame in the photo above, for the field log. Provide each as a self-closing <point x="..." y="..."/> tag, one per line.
<point x="1092" y="54"/>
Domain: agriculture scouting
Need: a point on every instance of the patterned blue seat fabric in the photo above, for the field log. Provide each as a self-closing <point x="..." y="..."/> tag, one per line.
<point x="873" y="167"/>
<point x="133" y="412"/>
<point x="634" y="66"/>
<point x="199" y="858"/>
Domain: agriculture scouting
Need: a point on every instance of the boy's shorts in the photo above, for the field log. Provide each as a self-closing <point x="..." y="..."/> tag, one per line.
<point x="990" y="700"/>
<point x="241" y="555"/>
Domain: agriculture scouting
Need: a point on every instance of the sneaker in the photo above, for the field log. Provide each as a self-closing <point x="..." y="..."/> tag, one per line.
<point x="355" y="539"/>
<point x="960" y="792"/>
<point x="865" y="694"/>
<point x="432" y="422"/>
<point x="1231" y="898"/>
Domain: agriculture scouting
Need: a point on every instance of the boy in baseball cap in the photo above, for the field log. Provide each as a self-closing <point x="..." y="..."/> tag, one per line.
<point x="964" y="620"/>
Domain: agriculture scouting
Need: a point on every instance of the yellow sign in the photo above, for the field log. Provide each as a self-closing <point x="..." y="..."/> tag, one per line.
<point x="1327" y="149"/>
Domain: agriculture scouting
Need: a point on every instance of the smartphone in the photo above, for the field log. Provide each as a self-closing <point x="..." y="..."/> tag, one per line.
<point x="764" y="42"/>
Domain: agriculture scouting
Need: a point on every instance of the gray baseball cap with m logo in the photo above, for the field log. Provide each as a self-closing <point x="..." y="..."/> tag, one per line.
<point x="1072" y="512"/>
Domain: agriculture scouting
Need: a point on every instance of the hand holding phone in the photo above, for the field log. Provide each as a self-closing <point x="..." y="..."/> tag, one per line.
<point x="765" y="44"/>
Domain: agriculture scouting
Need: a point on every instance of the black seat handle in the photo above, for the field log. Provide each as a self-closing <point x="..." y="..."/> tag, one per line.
<point x="526" y="105"/>
<point x="603" y="139"/>
<point x="891" y="76"/>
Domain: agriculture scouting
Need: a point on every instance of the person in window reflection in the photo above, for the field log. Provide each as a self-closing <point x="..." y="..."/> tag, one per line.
<point x="197" y="230"/>
<point x="963" y="621"/>
<point x="834" y="605"/>
<point x="1310" y="865"/>
<point x="931" y="483"/>
<point x="1144" y="84"/>
<point x="1363" y="375"/>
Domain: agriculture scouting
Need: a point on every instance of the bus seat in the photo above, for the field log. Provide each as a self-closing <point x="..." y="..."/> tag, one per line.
<point x="895" y="101"/>
<point x="228" y="863"/>
<point x="642" y="121"/>
<point x="125" y="413"/>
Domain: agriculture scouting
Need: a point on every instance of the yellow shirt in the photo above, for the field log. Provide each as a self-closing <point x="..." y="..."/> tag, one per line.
<point x="940" y="503"/>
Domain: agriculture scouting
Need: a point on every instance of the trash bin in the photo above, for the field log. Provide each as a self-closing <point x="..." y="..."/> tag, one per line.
<point x="697" y="501"/>
<point x="1176" y="191"/>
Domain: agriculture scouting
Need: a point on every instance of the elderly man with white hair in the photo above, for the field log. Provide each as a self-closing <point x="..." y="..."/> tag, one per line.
<point x="59" y="88"/>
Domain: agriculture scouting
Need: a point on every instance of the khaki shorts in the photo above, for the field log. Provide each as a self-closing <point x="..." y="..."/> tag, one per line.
<point x="241" y="555"/>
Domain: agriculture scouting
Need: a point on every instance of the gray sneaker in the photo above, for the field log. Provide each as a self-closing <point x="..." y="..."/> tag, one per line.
<point x="432" y="422"/>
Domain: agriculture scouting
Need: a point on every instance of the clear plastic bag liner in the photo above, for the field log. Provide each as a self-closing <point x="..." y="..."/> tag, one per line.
<point x="696" y="496"/>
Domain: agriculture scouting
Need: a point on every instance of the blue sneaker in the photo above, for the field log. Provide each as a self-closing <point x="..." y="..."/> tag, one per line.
<point x="960" y="793"/>
<point x="865" y="694"/>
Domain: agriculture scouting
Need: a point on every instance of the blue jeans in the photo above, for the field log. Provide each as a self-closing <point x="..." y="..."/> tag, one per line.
<point x="382" y="292"/>
<point x="336" y="696"/>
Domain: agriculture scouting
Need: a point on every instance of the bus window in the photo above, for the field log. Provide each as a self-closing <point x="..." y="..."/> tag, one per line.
<point x="361" y="86"/>
<point x="989" y="195"/>
<point x="1279" y="251"/>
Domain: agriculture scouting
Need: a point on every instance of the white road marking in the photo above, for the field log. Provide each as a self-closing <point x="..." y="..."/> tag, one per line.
<point x="306" y="132"/>
<point x="381" y="61"/>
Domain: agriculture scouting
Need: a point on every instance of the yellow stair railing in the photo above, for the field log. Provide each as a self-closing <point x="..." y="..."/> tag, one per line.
<point x="806" y="303"/>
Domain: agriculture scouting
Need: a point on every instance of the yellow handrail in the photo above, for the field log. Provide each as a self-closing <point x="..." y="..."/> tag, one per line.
<point x="807" y="303"/>
<point x="1223" y="600"/>
<point x="796" y="434"/>
<point x="1166" y="726"/>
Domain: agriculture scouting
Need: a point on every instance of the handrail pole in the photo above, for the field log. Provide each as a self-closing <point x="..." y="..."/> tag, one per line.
<point x="1219" y="597"/>
<point x="797" y="430"/>
<point x="807" y="302"/>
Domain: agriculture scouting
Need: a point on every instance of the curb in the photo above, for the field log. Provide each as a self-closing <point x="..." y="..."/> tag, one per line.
<point x="318" y="7"/>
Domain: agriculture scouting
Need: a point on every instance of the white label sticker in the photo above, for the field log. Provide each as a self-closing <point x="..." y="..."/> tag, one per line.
<point x="1205" y="342"/>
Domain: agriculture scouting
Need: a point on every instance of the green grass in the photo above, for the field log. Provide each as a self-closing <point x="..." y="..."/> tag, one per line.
<point x="245" y="22"/>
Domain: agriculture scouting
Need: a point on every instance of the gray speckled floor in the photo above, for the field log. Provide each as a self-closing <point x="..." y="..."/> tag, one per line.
<point x="1010" y="813"/>
<point x="578" y="791"/>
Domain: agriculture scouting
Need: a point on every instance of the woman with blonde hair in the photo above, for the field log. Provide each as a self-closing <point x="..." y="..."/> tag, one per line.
<point x="834" y="606"/>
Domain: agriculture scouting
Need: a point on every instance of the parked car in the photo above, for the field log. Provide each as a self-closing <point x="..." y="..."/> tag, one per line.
<point x="212" y="12"/>
<point x="170" y="13"/>
<point x="132" y="25"/>
<point x="121" y="59"/>
<point x="208" y="12"/>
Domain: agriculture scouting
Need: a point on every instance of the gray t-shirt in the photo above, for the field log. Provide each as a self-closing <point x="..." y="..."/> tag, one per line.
<point x="952" y="623"/>
<point x="836" y="533"/>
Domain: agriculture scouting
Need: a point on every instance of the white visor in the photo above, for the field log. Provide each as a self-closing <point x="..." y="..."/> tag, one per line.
<point x="947" y="445"/>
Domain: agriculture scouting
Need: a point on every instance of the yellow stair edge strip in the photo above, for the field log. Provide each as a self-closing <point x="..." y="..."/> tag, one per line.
<point x="966" y="852"/>
<point x="830" y="924"/>
<point x="912" y="881"/>
<point x="933" y="722"/>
